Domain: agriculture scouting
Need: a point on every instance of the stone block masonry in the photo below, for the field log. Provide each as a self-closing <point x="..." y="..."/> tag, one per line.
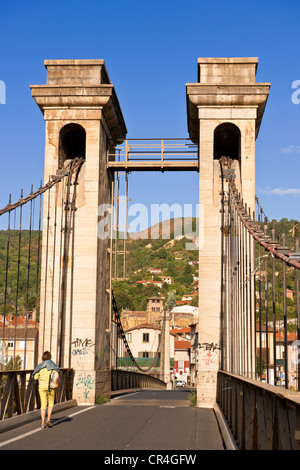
<point x="83" y="119"/>
<point x="224" y="109"/>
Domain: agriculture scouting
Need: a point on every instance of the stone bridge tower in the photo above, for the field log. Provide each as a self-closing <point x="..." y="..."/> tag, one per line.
<point x="225" y="110"/>
<point x="83" y="119"/>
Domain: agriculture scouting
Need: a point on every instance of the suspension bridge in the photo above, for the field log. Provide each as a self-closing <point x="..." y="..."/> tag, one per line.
<point x="58" y="267"/>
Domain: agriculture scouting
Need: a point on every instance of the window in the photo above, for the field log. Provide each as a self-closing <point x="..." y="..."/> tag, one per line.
<point x="227" y="138"/>
<point x="145" y="354"/>
<point x="10" y="344"/>
<point x="145" y="337"/>
<point x="128" y="337"/>
<point x="72" y="139"/>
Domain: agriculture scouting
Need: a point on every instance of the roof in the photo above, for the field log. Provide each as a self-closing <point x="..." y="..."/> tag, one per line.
<point x="150" y="326"/>
<point x="20" y="333"/>
<point x="182" y="344"/>
<point x="280" y="335"/>
<point x="147" y="326"/>
<point x="186" y="329"/>
<point x="184" y="309"/>
<point x="136" y="313"/>
<point x="291" y="336"/>
<point x="16" y="321"/>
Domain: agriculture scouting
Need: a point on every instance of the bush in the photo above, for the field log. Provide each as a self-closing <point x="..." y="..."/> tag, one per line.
<point x="193" y="398"/>
<point x="101" y="399"/>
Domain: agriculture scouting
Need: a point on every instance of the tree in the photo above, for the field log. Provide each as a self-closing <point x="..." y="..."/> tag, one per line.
<point x="187" y="276"/>
<point x="14" y="363"/>
<point x="171" y="302"/>
<point x="123" y="300"/>
<point x="263" y="366"/>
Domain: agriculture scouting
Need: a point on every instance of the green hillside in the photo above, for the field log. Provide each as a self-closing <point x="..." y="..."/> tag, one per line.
<point x="172" y="258"/>
<point x="19" y="252"/>
<point x="168" y="255"/>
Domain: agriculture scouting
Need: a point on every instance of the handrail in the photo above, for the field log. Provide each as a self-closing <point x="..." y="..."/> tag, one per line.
<point x="283" y="253"/>
<point x="125" y="380"/>
<point x="76" y="163"/>
<point x="154" y="150"/>
<point x="19" y="391"/>
<point x="260" y="416"/>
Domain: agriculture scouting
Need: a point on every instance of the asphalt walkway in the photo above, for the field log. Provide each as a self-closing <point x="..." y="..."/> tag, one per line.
<point x="146" y="420"/>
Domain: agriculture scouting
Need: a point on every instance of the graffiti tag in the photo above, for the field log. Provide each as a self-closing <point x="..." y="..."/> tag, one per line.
<point x="82" y="347"/>
<point x="86" y="383"/>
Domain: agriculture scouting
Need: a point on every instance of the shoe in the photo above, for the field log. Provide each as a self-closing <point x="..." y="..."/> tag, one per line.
<point x="49" y="424"/>
<point x="43" y="426"/>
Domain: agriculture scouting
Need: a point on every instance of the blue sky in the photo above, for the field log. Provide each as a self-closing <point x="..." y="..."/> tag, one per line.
<point x="151" y="50"/>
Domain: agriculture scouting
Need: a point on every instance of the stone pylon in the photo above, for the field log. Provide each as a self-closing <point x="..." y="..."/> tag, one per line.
<point x="225" y="109"/>
<point x="165" y="349"/>
<point x="83" y="119"/>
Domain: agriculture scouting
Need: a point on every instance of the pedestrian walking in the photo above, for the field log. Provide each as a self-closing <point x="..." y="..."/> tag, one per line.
<point x="42" y="373"/>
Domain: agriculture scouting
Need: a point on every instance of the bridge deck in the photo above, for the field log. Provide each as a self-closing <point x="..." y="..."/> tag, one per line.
<point x="146" y="420"/>
<point x="155" y="155"/>
<point x="158" y="165"/>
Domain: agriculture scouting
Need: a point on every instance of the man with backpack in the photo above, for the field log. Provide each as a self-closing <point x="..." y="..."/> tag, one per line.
<point x="47" y="373"/>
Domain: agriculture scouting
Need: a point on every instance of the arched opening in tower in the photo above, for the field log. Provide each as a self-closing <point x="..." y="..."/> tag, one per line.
<point x="227" y="141"/>
<point x="72" y="139"/>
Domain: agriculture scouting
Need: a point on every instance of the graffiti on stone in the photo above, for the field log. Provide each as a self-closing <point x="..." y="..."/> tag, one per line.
<point x="85" y="383"/>
<point x="209" y="354"/>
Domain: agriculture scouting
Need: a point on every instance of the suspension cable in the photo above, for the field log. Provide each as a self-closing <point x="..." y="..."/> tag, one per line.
<point x="75" y="163"/>
<point x="281" y="252"/>
<point x="121" y="330"/>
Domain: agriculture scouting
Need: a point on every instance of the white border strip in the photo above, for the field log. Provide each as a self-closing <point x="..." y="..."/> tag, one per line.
<point x="22" y="436"/>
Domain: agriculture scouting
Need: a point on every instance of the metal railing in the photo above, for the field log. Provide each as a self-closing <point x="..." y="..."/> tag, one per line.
<point x="260" y="416"/>
<point x="161" y="154"/>
<point x="141" y="361"/>
<point x="124" y="380"/>
<point x="19" y="391"/>
<point x="20" y="263"/>
<point x="257" y="263"/>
